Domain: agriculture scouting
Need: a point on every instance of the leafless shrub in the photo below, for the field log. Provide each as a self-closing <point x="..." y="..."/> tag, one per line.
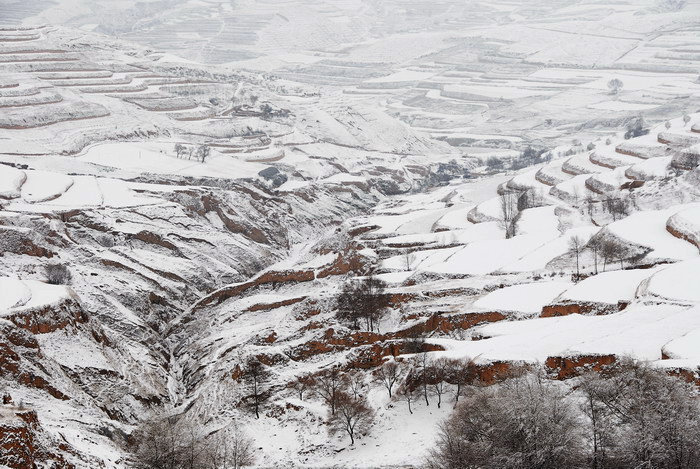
<point x="105" y="240"/>
<point x="57" y="274"/>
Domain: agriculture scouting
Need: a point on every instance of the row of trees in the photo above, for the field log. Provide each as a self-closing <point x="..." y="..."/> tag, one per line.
<point x="630" y="416"/>
<point x="201" y="153"/>
<point x="603" y="248"/>
<point x="173" y="443"/>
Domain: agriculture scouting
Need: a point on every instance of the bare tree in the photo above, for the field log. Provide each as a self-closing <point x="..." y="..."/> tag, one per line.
<point x="640" y="417"/>
<point x="615" y="86"/>
<point x="460" y="373"/>
<point x="608" y="251"/>
<point x="256" y="375"/>
<point x="576" y="246"/>
<point x="329" y="384"/>
<point x="57" y="274"/>
<point x="388" y="374"/>
<point x="203" y="153"/>
<point x="407" y="393"/>
<point x="408" y="259"/>
<point x="423" y="374"/>
<point x="509" y="212"/>
<point x="301" y="384"/>
<point x="437" y="376"/>
<point x="353" y="416"/>
<point x="356" y="383"/>
<point x="363" y="301"/>
<point x="179" y="150"/>
<point x="160" y="443"/>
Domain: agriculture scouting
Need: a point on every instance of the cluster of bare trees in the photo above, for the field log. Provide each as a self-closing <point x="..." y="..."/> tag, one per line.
<point x="343" y="394"/>
<point x="426" y="379"/>
<point x="603" y="249"/>
<point x="363" y="302"/>
<point x="419" y="378"/>
<point x="630" y="416"/>
<point x="172" y="443"/>
<point x="201" y="153"/>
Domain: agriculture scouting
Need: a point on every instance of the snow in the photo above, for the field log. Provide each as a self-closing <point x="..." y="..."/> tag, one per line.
<point x="540" y="258"/>
<point x="11" y="180"/>
<point x="44" y="294"/>
<point x="653" y="168"/>
<point x="43" y="185"/>
<point x="293" y="185"/>
<point x="13" y="292"/>
<point x="117" y="194"/>
<point x="483" y="257"/>
<point x="648" y="228"/>
<point x="85" y="192"/>
<point x="534" y="220"/>
<point x="678" y="282"/>
<point x="621" y="106"/>
<point x="23" y="294"/>
<point x="160" y="159"/>
<point x="525" y="298"/>
<point x="402" y="76"/>
<point x="607" y="287"/>
<point x="639" y="331"/>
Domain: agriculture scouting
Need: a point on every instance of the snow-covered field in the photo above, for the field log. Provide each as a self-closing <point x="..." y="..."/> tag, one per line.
<point x="341" y="137"/>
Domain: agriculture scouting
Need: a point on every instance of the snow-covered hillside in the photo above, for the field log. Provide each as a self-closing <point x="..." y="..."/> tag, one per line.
<point x="186" y="189"/>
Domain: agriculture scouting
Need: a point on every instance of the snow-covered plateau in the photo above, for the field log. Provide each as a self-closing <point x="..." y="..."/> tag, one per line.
<point x="188" y="189"/>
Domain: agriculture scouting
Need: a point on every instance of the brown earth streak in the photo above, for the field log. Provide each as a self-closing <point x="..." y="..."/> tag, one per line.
<point x="271" y="277"/>
<point x="342" y="265"/>
<point x="682" y="236"/>
<point x="50" y="318"/>
<point x="629" y="153"/>
<point x="569" y="367"/>
<point x="278" y="304"/>
<point x="686" y="374"/>
<point x="445" y="324"/>
<point x="565" y="309"/>
<point x="493" y="372"/>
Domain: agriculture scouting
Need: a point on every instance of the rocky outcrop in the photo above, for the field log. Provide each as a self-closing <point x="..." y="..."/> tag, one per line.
<point x="565" y="367"/>
<point x="49" y="318"/>
<point x="585" y="308"/>
<point x="22" y="241"/>
<point x="25" y="445"/>
<point x="448" y="323"/>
